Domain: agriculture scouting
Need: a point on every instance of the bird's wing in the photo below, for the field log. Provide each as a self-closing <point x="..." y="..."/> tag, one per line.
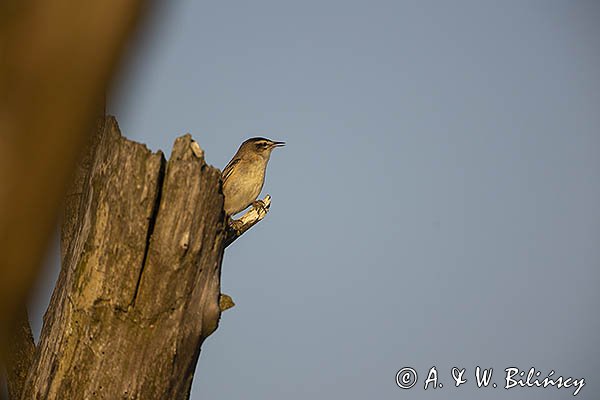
<point x="228" y="169"/>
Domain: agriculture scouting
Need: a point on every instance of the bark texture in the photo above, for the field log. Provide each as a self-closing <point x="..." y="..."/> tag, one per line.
<point x="138" y="292"/>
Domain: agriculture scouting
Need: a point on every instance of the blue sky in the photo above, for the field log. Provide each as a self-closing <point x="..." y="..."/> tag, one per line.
<point x="436" y="204"/>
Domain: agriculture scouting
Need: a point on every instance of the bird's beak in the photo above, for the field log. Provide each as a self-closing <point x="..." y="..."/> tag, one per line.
<point x="278" y="144"/>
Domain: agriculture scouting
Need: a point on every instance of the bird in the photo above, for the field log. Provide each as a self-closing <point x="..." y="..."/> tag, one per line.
<point x="243" y="178"/>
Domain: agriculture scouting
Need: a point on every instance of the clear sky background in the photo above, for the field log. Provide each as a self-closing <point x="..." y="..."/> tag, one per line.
<point x="436" y="204"/>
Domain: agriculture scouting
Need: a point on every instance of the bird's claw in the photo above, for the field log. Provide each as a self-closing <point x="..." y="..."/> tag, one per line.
<point x="260" y="206"/>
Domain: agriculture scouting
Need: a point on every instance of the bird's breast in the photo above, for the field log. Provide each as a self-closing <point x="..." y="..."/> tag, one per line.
<point x="243" y="186"/>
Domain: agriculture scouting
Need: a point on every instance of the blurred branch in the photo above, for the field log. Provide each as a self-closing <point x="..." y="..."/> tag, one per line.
<point x="56" y="60"/>
<point x="2" y="385"/>
<point x="19" y="356"/>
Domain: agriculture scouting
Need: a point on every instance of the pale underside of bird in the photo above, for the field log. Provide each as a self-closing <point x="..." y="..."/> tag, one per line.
<point x="243" y="178"/>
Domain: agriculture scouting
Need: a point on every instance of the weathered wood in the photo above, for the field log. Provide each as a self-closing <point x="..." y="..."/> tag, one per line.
<point x="139" y="287"/>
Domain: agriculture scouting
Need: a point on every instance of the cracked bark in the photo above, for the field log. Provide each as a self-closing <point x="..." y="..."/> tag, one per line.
<point x="141" y="244"/>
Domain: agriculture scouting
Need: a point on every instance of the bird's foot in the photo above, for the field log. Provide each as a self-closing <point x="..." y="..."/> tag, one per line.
<point x="260" y="206"/>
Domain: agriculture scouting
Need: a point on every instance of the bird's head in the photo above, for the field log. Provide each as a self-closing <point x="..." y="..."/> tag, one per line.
<point x="259" y="146"/>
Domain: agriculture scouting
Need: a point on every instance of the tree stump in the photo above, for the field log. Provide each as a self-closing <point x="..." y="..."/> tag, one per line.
<point x="142" y="244"/>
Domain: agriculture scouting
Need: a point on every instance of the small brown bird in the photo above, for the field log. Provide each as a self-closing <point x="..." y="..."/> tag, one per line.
<point x="244" y="176"/>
